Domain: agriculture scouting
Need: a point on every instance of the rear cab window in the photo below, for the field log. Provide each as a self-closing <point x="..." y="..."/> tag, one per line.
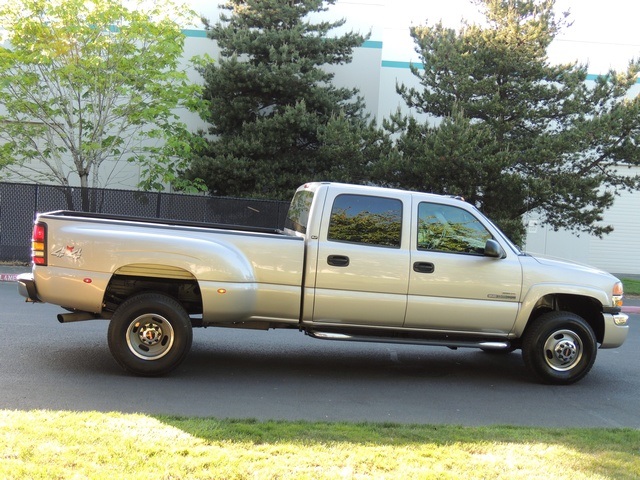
<point x="298" y="215"/>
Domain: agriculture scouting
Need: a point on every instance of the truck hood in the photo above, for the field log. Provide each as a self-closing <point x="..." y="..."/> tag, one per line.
<point x="567" y="264"/>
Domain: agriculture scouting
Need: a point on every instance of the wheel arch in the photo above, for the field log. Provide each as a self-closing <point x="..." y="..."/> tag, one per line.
<point x="586" y="307"/>
<point x="133" y="279"/>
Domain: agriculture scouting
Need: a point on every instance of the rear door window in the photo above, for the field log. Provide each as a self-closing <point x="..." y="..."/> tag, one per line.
<point x="366" y="220"/>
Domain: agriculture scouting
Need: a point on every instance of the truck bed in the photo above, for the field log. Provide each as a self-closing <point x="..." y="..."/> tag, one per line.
<point x="162" y="221"/>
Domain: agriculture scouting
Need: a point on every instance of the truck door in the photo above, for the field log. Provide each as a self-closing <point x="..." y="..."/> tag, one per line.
<point x="452" y="285"/>
<point x="362" y="271"/>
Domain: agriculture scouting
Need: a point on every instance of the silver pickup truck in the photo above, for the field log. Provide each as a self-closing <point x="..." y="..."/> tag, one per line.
<point x="353" y="263"/>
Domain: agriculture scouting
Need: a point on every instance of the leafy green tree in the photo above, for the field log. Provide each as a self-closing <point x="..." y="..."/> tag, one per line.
<point x="276" y="119"/>
<point x="82" y="83"/>
<point x="511" y="132"/>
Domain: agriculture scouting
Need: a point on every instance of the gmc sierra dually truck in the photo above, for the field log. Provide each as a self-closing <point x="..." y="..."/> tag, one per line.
<point x="353" y="263"/>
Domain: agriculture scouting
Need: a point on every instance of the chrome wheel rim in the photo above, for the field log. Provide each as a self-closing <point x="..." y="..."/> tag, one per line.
<point x="150" y="336"/>
<point x="563" y="350"/>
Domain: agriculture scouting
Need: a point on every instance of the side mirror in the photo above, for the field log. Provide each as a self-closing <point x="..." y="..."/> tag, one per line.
<point x="494" y="250"/>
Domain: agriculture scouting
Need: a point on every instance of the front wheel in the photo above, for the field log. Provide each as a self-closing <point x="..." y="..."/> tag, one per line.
<point x="559" y="348"/>
<point x="150" y="334"/>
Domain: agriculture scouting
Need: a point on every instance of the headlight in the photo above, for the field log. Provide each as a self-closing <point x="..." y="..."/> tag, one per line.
<point x="618" y="293"/>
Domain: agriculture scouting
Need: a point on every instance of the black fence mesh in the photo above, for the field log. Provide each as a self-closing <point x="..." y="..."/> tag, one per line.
<point x="19" y="204"/>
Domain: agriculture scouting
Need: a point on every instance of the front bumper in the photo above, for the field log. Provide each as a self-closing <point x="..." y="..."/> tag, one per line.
<point x="616" y="329"/>
<point x="27" y="287"/>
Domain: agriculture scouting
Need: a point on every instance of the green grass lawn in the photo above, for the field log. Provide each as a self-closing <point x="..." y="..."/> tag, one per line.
<point x="53" y="444"/>
<point x="631" y="286"/>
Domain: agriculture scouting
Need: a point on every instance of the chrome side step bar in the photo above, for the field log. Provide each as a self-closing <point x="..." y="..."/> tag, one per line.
<point x="451" y="342"/>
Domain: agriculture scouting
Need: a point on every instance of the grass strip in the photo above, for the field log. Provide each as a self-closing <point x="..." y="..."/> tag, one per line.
<point x="56" y="444"/>
<point x="631" y="286"/>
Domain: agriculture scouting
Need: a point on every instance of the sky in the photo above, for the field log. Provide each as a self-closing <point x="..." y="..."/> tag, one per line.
<point x="604" y="33"/>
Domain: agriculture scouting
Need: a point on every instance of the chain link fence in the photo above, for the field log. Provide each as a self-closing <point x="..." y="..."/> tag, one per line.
<point x="19" y="204"/>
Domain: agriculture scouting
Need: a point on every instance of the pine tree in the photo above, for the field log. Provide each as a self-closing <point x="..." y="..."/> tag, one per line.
<point x="276" y="120"/>
<point x="511" y="132"/>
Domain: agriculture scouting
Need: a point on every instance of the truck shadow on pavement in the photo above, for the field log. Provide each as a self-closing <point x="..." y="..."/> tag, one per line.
<point x="289" y="356"/>
<point x="329" y="362"/>
<point x="333" y="362"/>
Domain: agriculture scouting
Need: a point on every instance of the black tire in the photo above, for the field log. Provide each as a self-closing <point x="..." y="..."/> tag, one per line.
<point x="559" y="348"/>
<point x="150" y="334"/>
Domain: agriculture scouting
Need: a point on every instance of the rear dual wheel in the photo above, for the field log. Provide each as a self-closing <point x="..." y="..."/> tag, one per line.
<point x="150" y="334"/>
<point x="559" y="348"/>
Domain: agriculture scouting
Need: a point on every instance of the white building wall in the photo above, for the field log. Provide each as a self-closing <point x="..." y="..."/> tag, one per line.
<point x="617" y="252"/>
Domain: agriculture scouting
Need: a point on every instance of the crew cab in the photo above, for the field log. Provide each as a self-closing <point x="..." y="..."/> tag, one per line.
<point x="356" y="263"/>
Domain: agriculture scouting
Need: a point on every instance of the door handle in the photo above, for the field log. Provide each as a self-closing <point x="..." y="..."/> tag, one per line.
<point x="424" y="267"/>
<point x="338" y="260"/>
